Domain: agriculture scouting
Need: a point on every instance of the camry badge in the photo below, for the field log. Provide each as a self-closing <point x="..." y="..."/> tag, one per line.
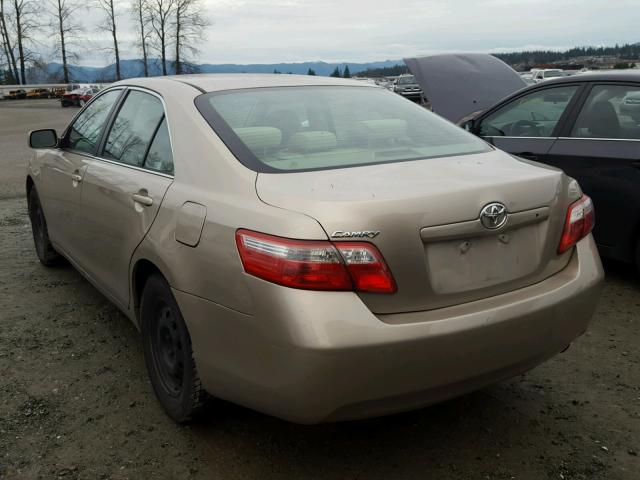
<point x="361" y="234"/>
<point x="493" y="216"/>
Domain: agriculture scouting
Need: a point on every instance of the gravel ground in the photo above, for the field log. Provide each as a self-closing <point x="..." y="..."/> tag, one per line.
<point x="75" y="402"/>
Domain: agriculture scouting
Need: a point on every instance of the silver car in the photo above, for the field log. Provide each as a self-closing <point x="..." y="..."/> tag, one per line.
<point x="313" y="248"/>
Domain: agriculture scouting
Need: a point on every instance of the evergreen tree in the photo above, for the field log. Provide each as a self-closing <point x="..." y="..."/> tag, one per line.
<point x="347" y="73"/>
<point x="311" y="71"/>
<point x="336" y="73"/>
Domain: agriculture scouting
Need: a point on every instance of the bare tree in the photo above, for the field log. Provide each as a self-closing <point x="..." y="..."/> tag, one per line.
<point x="140" y="9"/>
<point x="160" y="14"/>
<point x="6" y="41"/>
<point x="25" y="13"/>
<point x="190" y="23"/>
<point x="110" y="26"/>
<point x="66" y="31"/>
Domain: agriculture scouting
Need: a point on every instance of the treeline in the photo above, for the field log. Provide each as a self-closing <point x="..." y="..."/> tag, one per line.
<point x="396" y="70"/>
<point x="533" y="57"/>
<point x="168" y="29"/>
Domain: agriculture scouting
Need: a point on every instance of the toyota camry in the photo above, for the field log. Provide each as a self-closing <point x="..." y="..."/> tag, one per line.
<point x="317" y="249"/>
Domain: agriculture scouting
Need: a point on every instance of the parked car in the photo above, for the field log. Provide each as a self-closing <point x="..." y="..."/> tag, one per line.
<point x="527" y="77"/>
<point x="15" y="94"/>
<point x="39" y="93"/>
<point x="314" y="248"/>
<point x="588" y="125"/>
<point x="78" y="98"/>
<point x="541" y="74"/>
<point x="57" y="92"/>
<point x="408" y="87"/>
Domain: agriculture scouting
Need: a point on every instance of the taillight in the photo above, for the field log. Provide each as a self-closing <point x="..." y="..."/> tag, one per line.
<point x="314" y="265"/>
<point x="578" y="224"/>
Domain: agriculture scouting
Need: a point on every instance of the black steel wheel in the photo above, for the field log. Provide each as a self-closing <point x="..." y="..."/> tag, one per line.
<point x="44" y="249"/>
<point x="168" y="353"/>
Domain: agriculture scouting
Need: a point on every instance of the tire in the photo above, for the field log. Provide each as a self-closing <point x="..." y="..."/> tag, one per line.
<point x="44" y="249"/>
<point x="81" y="103"/>
<point x="168" y="354"/>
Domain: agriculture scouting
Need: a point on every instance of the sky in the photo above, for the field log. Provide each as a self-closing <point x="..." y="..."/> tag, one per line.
<point x="273" y="31"/>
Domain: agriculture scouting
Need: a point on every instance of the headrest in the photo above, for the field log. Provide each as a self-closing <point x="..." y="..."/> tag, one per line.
<point x="258" y="139"/>
<point x="313" y="141"/>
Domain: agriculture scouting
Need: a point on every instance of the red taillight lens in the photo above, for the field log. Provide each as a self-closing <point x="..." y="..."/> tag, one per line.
<point x="367" y="268"/>
<point x="578" y="224"/>
<point x="314" y="265"/>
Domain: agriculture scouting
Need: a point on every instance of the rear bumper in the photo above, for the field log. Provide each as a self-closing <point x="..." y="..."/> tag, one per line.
<point x="411" y="94"/>
<point x="323" y="356"/>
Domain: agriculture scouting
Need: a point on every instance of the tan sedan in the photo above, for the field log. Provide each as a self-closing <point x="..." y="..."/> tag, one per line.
<point x="313" y="248"/>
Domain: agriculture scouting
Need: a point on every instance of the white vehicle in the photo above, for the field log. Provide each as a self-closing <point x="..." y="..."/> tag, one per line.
<point x="542" y="74"/>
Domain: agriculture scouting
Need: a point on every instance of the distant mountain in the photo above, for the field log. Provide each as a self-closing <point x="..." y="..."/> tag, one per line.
<point x="134" y="68"/>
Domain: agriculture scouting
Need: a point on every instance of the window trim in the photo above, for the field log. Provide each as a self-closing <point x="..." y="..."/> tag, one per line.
<point x="559" y="127"/>
<point x="565" y="134"/>
<point x="65" y="136"/>
<point x="109" y="124"/>
<point x="153" y="139"/>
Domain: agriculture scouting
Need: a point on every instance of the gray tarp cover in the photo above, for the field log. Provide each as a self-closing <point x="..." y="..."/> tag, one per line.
<point x="459" y="84"/>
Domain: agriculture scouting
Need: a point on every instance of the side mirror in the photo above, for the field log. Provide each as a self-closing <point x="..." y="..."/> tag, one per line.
<point x="47" y="138"/>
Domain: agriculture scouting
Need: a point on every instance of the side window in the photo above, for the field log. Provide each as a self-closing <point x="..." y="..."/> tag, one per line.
<point x="85" y="132"/>
<point x="133" y="128"/>
<point x="159" y="157"/>
<point x="532" y="115"/>
<point x="611" y="111"/>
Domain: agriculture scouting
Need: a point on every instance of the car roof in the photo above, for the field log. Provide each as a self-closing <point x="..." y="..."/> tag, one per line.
<point x="608" y="76"/>
<point x="213" y="82"/>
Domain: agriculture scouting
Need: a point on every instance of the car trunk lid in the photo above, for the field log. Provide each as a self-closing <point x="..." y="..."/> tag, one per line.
<point x="427" y="215"/>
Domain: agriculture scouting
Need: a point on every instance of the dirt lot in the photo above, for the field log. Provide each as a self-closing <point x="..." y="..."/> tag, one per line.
<point x="75" y="402"/>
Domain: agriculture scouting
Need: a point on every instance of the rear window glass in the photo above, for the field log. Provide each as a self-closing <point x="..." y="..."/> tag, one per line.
<point x="406" y="80"/>
<point x="309" y="128"/>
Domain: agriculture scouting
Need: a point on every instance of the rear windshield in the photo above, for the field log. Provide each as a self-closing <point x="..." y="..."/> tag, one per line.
<point x="309" y="128"/>
<point x="406" y="80"/>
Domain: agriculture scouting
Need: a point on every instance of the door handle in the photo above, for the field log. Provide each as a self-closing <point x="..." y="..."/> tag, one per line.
<point x="76" y="177"/>
<point x="636" y="164"/>
<point x="142" y="199"/>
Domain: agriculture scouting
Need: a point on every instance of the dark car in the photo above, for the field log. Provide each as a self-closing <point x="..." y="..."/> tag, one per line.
<point x="408" y="87"/>
<point x="588" y="125"/>
<point x="16" y="94"/>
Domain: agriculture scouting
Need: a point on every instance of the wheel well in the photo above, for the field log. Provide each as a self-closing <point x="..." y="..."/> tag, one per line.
<point x="142" y="270"/>
<point x="29" y="185"/>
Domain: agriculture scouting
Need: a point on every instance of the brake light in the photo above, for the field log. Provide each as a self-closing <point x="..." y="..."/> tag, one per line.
<point x="578" y="224"/>
<point x="314" y="265"/>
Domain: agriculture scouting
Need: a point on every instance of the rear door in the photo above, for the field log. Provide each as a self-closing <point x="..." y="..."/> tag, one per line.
<point x="123" y="189"/>
<point x="528" y="125"/>
<point x="64" y="168"/>
<point x="600" y="147"/>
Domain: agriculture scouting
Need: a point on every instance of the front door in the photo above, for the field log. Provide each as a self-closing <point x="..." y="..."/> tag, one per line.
<point x="526" y="125"/>
<point x="123" y="190"/>
<point x="601" y="150"/>
<point x="64" y="171"/>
